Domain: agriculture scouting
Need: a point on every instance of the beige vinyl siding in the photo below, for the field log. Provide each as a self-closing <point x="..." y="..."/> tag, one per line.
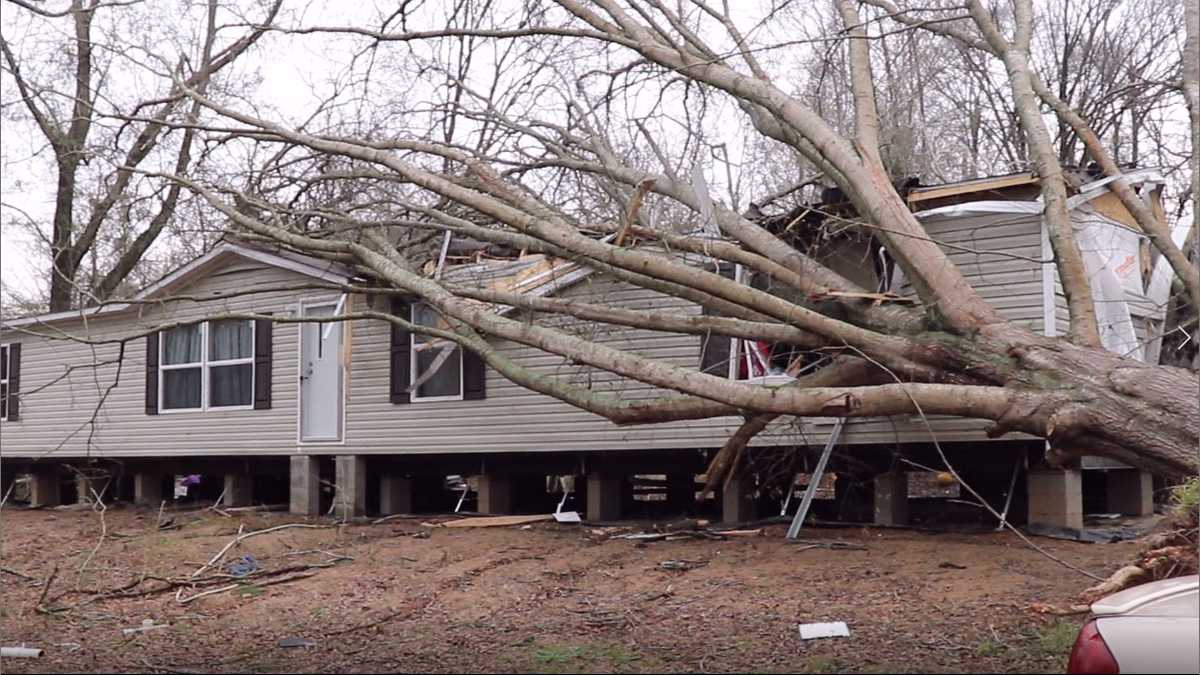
<point x="1010" y="279"/>
<point x="514" y="419"/>
<point x="510" y="419"/>
<point x="55" y="416"/>
<point x="999" y="260"/>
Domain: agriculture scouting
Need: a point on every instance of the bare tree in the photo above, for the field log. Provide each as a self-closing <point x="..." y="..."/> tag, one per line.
<point x="600" y="131"/>
<point x="98" y="135"/>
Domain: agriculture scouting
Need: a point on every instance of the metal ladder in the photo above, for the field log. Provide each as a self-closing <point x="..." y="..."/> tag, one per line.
<point x="813" y="481"/>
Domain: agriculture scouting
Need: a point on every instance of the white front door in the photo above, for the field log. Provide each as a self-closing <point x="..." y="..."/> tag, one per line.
<point x="320" y="377"/>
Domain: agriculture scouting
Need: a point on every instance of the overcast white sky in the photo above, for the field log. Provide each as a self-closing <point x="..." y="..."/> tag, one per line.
<point x="293" y="70"/>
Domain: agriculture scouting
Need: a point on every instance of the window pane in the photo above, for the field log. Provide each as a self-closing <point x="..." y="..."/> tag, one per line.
<point x="229" y="340"/>
<point x="448" y="379"/>
<point x="424" y="315"/>
<point x="3" y="363"/>
<point x="181" y="345"/>
<point x="181" y="388"/>
<point x="4" y="400"/>
<point x="230" y="385"/>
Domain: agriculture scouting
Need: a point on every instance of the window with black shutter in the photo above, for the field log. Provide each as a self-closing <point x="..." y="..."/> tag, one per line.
<point x="211" y="365"/>
<point x="10" y="382"/>
<point x="436" y="372"/>
<point x="399" y="365"/>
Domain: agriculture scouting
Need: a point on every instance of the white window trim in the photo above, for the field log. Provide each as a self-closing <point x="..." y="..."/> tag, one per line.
<point x="204" y="365"/>
<point x="7" y="351"/>
<point x="413" y="396"/>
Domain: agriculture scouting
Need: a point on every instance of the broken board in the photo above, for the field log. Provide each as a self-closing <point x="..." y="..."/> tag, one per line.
<point x="498" y="521"/>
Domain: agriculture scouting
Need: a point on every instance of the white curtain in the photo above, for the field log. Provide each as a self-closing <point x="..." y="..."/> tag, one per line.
<point x="230" y="385"/>
<point x="181" y="388"/>
<point x="181" y="345"/>
<point x="230" y="340"/>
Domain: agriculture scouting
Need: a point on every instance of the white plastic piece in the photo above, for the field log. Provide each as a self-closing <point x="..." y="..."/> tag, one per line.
<point x="813" y="631"/>
<point x="147" y="625"/>
<point x="983" y="206"/>
<point x="20" y="652"/>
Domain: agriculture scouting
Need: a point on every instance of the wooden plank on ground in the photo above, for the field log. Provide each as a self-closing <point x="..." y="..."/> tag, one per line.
<point x="498" y="521"/>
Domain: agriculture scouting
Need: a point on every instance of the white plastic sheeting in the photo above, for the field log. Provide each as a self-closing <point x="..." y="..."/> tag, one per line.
<point x="1110" y="257"/>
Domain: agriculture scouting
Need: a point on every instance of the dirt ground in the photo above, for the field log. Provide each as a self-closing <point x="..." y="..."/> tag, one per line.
<point x="548" y="598"/>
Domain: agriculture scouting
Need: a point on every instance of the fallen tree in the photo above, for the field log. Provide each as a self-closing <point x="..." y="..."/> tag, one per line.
<point x="502" y="183"/>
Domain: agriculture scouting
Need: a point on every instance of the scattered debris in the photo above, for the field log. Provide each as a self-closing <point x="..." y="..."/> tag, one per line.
<point x="182" y="483"/>
<point x="395" y="516"/>
<point x="656" y="595"/>
<point x="641" y="536"/>
<point x="813" y="631"/>
<point x="261" y="508"/>
<point x="9" y="570"/>
<point x="1055" y="610"/>
<point x="832" y="545"/>
<point x="147" y="626"/>
<point x="292" y="642"/>
<point x="247" y="586"/>
<point x="20" y="652"/>
<point x="681" y="565"/>
<point x="244" y="566"/>
<point x="740" y="533"/>
<point x="1114" y="531"/>
<point x="496" y="521"/>
<point x="69" y="646"/>
<point x="646" y="537"/>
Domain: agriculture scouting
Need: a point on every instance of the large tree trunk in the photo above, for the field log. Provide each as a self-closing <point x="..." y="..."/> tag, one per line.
<point x="1096" y="402"/>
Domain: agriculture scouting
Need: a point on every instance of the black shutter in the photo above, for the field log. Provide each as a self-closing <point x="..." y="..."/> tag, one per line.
<point x="263" y="330"/>
<point x="474" y="376"/>
<point x="152" y="374"/>
<point x="14" y="382"/>
<point x="716" y="350"/>
<point x="399" y="371"/>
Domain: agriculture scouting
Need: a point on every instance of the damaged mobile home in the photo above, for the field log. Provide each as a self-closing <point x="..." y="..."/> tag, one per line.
<point x="273" y="406"/>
